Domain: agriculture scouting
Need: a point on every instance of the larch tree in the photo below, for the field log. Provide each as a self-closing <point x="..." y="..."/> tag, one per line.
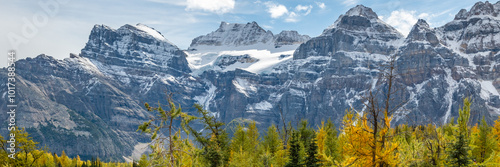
<point x="162" y="130"/>
<point x="214" y="142"/>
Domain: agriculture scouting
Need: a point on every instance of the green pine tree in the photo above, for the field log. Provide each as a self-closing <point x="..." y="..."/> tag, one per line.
<point x="294" y="152"/>
<point x="458" y="154"/>
<point x="312" y="157"/>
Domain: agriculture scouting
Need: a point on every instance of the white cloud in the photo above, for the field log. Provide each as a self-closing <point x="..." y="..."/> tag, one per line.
<point x="276" y="10"/>
<point x="321" y="5"/>
<point x="306" y="9"/>
<point x="170" y="2"/>
<point x="292" y="17"/>
<point x="404" y="20"/>
<point x="350" y="2"/>
<point x="216" y="6"/>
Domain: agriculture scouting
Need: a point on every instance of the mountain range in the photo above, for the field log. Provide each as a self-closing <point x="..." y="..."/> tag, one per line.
<point x="91" y="103"/>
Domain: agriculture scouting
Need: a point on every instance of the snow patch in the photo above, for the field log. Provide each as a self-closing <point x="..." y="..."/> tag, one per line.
<point x="268" y="58"/>
<point x="259" y="107"/>
<point x="207" y="97"/>
<point x="244" y="87"/>
<point x="150" y="31"/>
<point x="488" y="89"/>
<point x="452" y="88"/>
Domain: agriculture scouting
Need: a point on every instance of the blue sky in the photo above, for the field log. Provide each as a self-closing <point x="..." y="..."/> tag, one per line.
<point x="66" y="27"/>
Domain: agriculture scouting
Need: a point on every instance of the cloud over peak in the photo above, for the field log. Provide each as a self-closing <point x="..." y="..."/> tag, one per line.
<point x="215" y="6"/>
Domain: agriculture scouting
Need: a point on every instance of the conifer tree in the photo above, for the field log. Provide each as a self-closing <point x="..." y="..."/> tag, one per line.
<point x="312" y="155"/>
<point x="458" y="154"/>
<point x="294" y="151"/>
<point x="483" y="142"/>
<point x="271" y="140"/>
<point x="215" y="143"/>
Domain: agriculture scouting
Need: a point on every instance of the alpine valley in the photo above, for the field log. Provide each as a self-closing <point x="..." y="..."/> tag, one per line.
<point x="91" y="103"/>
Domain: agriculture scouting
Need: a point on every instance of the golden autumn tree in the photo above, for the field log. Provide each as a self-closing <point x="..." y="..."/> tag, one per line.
<point x="496" y="132"/>
<point x="355" y="139"/>
<point x="328" y="144"/>
<point x="374" y="126"/>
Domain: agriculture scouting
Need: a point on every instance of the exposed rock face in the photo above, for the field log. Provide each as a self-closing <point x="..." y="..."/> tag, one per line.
<point x="70" y="105"/>
<point x="259" y="76"/>
<point x="358" y="30"/>
<point x="476" y="30"/>
<point x="135" y="47"/>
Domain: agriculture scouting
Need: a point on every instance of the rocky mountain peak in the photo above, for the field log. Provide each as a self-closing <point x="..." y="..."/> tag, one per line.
<point x="239" y="36"/>
<point x="233" y="34"/>
<point x="480" y="8"/>
<point x="361" y="19"/>
<point x="422" y="32"/>
<point x="358" y="30"/>
<point x="133" y="46"/>
<point x="474" y="30"/>
<point x="142" y="30"/>
<point x="421" y="23"/>
<point x="290" y="38"/>
<point x="363" y="11"/>
<point x="225" y="27"/>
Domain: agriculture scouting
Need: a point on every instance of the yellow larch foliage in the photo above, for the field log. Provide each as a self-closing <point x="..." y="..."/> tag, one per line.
<point x="321" y="135"/>
<point x="496" y="131"/>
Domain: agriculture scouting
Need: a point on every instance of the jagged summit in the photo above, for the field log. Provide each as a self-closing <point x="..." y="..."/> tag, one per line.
<point x="225" y="26"/>
<point x="290" y="37"/>
<point x="423" y="33"/>
<point x="237" y="36"/>
<point x="139" y="30"/>
<point x="362" y="19"/>
<point x="361" y="10"/>
<point x="137" y="46"/>
<point x="480" y="8"/>
<point x="421" y="23"/>
<point x="358" y="30"/>
<point x="234" y="34"/>
<point x="475" y="30"/>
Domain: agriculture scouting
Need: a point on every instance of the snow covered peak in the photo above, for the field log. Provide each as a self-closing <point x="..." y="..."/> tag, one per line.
<point x="361" y="19"/>
<point x="233" y="35"/>
<point x="137" y="46"/>
<point x="224" y="27"/>
<point x="420" y="27"/>
<point x="361" y="10"/>
<point x="479" y="9"/>
<point x="358" y="30"/>
<point x="142" y="30"/>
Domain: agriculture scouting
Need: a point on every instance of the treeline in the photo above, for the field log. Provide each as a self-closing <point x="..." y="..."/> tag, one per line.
<point x="29" y="154"/>
<point x="457" y="143"/>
